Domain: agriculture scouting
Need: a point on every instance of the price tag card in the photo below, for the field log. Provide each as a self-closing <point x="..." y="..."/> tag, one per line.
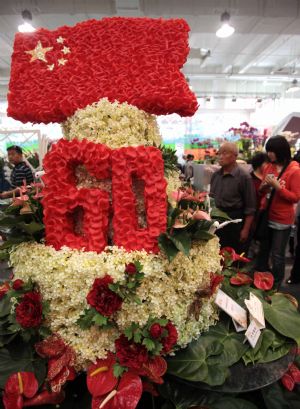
<point x="232" y="308"/>
<point x="238" y="327"/>
<point x="253" y="333"/>
<point x="256" y="310"/>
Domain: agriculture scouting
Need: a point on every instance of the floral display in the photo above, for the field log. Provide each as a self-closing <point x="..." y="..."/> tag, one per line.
<point x="130" y="60"/>
<point x="113" y="124"/>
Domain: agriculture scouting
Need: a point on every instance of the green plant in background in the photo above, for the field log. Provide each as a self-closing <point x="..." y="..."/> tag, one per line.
<point x="170" y="159"/>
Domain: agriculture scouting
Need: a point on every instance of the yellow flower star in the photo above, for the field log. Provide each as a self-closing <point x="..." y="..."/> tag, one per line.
<point x="62" y="61"/>
<point x="66" y="50"/>
<point x="39" y="52"/>
<point x="60" y="39"/>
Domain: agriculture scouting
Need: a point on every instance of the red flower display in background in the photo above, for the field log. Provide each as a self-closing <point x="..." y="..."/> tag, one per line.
<point x="29" y="311"/>
<point x="105" y="301"/>
<point x="263" y="280"/>
<point x="134" y="60"/>
<point x="61" y="360"/>
<point x="229" y="253"/>
<point x="241" y="279"/>
<point x="3" y="289"/>
<point x="130" y="354"/>
<point x="62" y="198"/>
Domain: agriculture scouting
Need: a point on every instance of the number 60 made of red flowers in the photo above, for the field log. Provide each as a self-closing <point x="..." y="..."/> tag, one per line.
<point x="61" y="196"/>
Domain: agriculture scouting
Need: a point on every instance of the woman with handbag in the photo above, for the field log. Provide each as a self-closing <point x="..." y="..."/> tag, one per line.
<point x="281" y="190"/>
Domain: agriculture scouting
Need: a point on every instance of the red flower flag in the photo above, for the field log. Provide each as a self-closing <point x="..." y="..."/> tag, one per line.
<point x="134" y="60"/>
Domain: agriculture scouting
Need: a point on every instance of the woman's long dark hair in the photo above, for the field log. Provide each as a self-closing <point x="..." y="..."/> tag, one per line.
<point x="280" y="146"/>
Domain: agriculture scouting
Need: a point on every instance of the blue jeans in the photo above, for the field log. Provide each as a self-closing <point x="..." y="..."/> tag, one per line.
<point x="275" y="247"/>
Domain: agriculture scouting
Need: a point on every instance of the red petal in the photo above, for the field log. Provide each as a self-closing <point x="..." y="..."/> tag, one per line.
<point x="46" y="398"/>
<point x="50" y="347"/>
<point x="155" y="368"/>
<point x="295" y="373"/>
<point x="128" y="394"/>
<point x="263" y="281"/>
<point x="102" y="382"/>
<point x="22" y="383"/>
<point x="12" y="401"/>
<point x="149" y="387"/>
<point x="288" y="381"/>
<point x="240" y="279"/>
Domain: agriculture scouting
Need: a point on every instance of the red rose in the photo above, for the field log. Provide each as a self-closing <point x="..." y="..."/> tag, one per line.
<point x="130" y="354"/>
<point x="29" y="311"/>
<point x="170" y="340"/>
<point x="105" y="301"/>
<point x="18" y="284"/>
<point x="263" y="281"/>
<point x="240" y="279"/>
<point x="156" y="331"/>
<point x="3" y="290"/>
<point x="130" y="269"/>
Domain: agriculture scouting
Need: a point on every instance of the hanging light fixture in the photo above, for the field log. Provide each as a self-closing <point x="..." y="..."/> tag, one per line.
<point x="226" y="29"/>
<point x="26" y="27"/>
<point x="293" y="87"/>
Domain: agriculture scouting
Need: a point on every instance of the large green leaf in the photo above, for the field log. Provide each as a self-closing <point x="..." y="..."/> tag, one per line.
<point x="5" y="306"/>
<point x="182" y="240"/>
<point x="207" y="359"/>
<point x="31" y="227"/>
<point x="273" y="397"/>
<point x="283" y="316"/>
<point x="10" y="364"/>
<point x="218" y="214"/>
<point x="232" y="403"/>
<point x="167" y="247"/>
<point x="202" y="235"/>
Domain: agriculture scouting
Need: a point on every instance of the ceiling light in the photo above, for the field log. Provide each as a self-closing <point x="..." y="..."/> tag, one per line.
<point x="294" y="87"/>
<point x="226" y="29"/>
<point x="26" y="27"/>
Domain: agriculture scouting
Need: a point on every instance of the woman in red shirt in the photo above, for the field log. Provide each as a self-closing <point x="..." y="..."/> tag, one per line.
<point x="282" y="211"/>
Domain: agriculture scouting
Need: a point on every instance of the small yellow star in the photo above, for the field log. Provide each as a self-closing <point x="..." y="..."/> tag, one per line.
<point x="38" y="53"/>
<point x="66" y="50"/>
<point x="62" y="61"/>
<point x="50" y="67"/>
<point x="60" y="39"/>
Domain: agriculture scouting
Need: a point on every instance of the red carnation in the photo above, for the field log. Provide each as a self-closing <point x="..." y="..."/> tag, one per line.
<point x="105" y="301"/>
<point x="130" y="354"/>
<point x="3" y="290"/>
<point x="263" y="281"/>
<point x="29" y="311"/>
<point x="156" y="331"/>
<point x="170" y="340"/>
<point x="130" y="269"/>
<point x="18" y="284"/>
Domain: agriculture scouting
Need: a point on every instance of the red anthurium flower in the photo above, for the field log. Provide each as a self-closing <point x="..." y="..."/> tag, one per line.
<point x="229" y="253"/>
<point x="155" y="368"/>
<point x="22" y="383"/>
<point x="46" y="398"/>
<point x="51" y="347"/>
<point x="240" y="279"/>
<point x="263" y="281"/>
<point x="295" y="373"/>
<point x="149" y="387"/>
<point x="12" y="401"/>
<point x="100" y="376"/>
<point x="126" y="396"/>
<point x="3" y="290"/>
<point x="215" y="280"/>
<point x="288" y="381"/>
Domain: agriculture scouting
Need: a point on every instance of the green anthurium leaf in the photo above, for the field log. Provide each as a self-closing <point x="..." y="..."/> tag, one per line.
<point x="274" y="398"/>
<point x="217" y="214"/>
<point x="202" y="235"/>
<point x="17" y="360"/>
<point x="282" y="315"/>
<point x="5" y="306"/>
<point x="167" y="246"/>
<point x="182" y="240"/>
<point x="9" y="221"/>
<point x="181" y="396"/>
<point x="31" y="227"/>
<point x="40" y="370"/>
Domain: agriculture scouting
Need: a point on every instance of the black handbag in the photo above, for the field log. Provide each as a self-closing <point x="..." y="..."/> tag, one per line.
<point x="262" y="222"/>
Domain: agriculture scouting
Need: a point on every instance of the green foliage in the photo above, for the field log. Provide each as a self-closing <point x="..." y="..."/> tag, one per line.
<point x="92" y="317"/>
<point x="170" y="159"/>
<point x="119" y="370"/>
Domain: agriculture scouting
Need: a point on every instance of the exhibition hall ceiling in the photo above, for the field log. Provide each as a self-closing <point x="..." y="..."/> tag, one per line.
<point x="260" y="59"/>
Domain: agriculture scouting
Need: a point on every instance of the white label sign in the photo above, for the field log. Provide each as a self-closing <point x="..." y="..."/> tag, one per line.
<point x="232" y="308"/>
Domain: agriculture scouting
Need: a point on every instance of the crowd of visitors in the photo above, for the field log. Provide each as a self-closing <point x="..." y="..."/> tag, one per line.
<point x="265" y="198"/>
